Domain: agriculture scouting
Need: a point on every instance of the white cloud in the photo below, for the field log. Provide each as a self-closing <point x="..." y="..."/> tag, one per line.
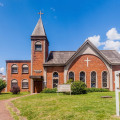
<point x="2" y="69"/>
<point x="1" y="4"/>
<point x="112" y="45"/>
<point x="95" y="40"/>
<point x="53" y="9"/>
<point x="112" y="42"/>
<point x="112" y="34"/>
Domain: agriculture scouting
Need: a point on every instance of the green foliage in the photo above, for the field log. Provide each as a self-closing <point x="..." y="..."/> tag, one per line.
<point x="48" y="90"/>
<point x="2" y="85"/>
<point x="78" y="87"/>
<point x="70" y="81"/>
<point x="15" y="89"/>
<point x="97" y="90"/>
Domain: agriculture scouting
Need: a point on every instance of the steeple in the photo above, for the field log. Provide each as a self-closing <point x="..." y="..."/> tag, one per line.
<point x="39" y="28"/>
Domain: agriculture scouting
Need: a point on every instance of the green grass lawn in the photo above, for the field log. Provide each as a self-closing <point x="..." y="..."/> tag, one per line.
<point x="8" y="95"/>
<point x="65" y="107"/>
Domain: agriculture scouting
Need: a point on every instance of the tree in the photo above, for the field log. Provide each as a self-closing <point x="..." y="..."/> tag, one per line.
<point x="2" y="85"/>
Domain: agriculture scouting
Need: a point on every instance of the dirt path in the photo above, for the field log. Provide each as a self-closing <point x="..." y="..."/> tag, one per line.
<point x="4" y="112"/>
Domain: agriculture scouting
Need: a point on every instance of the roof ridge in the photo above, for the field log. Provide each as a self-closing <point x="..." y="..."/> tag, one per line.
<point x="62" y="51"/>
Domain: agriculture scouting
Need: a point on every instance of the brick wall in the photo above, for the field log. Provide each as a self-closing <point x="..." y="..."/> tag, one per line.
<point x="38" y="57"/>
<point x="95" y="64"/>
<point x="50" y="71"/>
<point x="18" y="76"/>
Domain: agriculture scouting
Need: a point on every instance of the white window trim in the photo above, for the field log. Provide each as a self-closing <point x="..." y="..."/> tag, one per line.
<point x="14" y="67"/>
<point x="24" y="87"/>
<point x="38" y="44"/>
<point x="25" y="67"/>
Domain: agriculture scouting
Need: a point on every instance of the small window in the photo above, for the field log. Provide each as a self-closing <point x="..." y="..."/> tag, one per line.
<point x="14" y="83"/>
<point x="93" y="79"/>
<point x="55" y="79"/>
<point x="25" y="84"/>
<point x="14" y="68"/>
<point x="25" y="69"/>
<point x="71" y="75"/>
<point x="82" y="76"/>
<point x="104" y="79"/>
<point x="38" y="46"/>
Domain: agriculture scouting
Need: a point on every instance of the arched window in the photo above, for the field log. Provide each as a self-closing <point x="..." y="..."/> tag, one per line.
<point x="25" y="84"/>
<point x="14" y="68"/>
<point x="82" y="76"/>
<point x="93" y="79"/>
<point x="14" y="82"/>
<point x="38" y="46"/>
<point x="25" y="68"/>
<point x="104" y="79"/>
<point x="71" y="75"/>
<point x="55" y="79"/>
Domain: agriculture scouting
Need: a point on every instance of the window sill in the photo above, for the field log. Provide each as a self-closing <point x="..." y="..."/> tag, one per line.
<point x="14" y="73"/>
<point x="25" y="88"/>
<point x="25" y="72"/>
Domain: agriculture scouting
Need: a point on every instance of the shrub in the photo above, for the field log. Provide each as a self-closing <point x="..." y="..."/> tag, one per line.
<point x="2" y="85"/>
<point x="97" y="90"/>
<point x="78" y="87"/>
<point x="15" y="89"/>
<point x="70" y="81"/>
<point x="48" y="90"/>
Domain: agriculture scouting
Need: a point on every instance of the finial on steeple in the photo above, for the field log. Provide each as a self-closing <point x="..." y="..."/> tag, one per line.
<point x="40" y="13"/>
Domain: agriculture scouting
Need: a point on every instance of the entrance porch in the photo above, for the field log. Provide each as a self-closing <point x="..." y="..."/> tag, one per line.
<point x="36" y="84"/>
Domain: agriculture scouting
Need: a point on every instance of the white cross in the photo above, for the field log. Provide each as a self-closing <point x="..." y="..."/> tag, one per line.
<point x="87" y="61"/>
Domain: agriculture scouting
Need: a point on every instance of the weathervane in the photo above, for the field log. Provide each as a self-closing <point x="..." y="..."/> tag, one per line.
<point x="40" y="13"/>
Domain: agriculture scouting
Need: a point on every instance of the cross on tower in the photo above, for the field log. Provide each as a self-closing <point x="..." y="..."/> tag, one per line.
<point x="40" y="13"/>
<point x="87" y="61"/>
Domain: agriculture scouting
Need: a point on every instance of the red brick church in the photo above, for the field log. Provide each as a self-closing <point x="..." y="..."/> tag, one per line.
<point x="88" y="64"/>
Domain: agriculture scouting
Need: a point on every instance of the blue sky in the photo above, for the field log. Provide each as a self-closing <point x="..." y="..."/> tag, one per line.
<point x="68" y="23"/>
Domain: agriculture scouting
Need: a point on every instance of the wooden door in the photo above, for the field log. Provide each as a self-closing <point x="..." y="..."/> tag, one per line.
<point x="37" y="86"/>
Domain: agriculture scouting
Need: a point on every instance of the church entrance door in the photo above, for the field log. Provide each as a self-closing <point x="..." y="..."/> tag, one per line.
<point x="37" y="86"/>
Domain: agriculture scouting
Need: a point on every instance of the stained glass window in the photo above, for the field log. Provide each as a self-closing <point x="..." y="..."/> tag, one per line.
<point x="93" y="79"/>
<point x="82" y="76"/>
<point x="55" y="79"/>
<point x="104" y="79"/>
<point x="71" y="75"/>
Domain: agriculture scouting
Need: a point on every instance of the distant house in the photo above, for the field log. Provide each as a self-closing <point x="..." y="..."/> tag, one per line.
<point x="2" y="77"/>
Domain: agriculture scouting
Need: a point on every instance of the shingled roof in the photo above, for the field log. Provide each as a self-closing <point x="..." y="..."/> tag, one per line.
<point x="39" y="29"/>
<point x="61" y="57"/>
<point x="112" y="55"/>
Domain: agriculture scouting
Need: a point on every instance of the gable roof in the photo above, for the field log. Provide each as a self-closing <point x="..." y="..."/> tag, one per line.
<point x="61" y="58"/>
<point x="39" y="29"/>
<point x="93" y="46"/>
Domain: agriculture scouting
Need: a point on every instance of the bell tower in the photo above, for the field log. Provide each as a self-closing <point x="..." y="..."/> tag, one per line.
<point x="39" y="52"/>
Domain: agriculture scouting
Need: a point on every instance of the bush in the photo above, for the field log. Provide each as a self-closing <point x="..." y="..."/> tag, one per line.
<point x="15" y="89"/>
<point x="78" y="87"/>
<point x="70" y="81"/>
<point x="97" y="90"/>
<point x="2" y="85"/>
<point x="48" y="90"/>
